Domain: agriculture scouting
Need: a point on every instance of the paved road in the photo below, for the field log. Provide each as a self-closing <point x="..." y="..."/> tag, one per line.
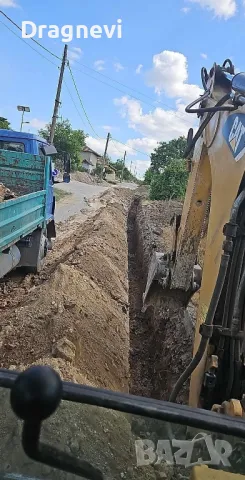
<point x="72" y="204"/>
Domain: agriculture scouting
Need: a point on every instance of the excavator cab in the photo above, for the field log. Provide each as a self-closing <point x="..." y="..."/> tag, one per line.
<point x="58" y="430"/>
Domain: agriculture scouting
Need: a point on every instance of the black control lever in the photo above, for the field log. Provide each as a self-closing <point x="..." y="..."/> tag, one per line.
<point x="35" y="396"/>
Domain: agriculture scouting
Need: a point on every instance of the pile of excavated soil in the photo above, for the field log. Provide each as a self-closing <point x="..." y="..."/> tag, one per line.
<point x="87" y="178"/>
<point x="6" y="193"/>
<point x="75" y="315"/>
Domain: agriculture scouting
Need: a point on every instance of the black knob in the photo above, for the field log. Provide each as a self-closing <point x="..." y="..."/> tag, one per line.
<point x="36" y="393"/>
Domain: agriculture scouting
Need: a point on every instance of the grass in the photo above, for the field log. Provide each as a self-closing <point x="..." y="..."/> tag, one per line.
<point x="60" y="194"/>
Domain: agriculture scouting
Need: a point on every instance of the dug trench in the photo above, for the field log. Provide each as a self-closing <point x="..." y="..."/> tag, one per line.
<point x="161" y="336"/>
<point x="83" y="317"/>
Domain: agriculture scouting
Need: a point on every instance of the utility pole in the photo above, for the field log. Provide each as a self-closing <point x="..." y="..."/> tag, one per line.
<point x="106" y="146"/>
<point x="57" y="98"/>
<point x="105" y="152"/>
<point x="124" y="158"/>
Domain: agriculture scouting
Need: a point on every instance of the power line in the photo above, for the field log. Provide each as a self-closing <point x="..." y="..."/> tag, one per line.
<point x="74" y="103"/>
<point x="116" y="146"/>
<point x="172" y="112"/>
<point x="130" y="88"/>
<point x="77" y="91"/>
<point x="22" y="39"/>
<point x="102" y="74"/>
<point x="131" y="148"/>
<point x="33" y="40"/>
<point x="81" y="102"/>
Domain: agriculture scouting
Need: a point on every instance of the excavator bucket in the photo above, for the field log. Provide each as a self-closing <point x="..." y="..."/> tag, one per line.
<point x="159" y="271"/>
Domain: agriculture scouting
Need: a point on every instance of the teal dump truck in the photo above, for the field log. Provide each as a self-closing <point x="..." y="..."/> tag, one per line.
<point x="27" y="224"/>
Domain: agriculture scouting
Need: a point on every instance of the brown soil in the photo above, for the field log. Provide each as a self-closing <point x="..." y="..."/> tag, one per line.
<point x="87" y="178"/>
<point x="75" y="315"/>
<point x="6" y="193"/>
<point x="83" y="316"/>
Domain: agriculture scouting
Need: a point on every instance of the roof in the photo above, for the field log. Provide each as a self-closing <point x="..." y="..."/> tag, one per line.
<point x="109" y="167"/>
<point x="88" y="162"/>
<point x="87" y="149"/>
<point x="21" y="135"/>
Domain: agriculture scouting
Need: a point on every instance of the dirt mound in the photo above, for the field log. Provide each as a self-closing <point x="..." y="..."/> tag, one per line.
<point x="85" y="177"/>
<point x="75" y="316"/>
<point x="6" y="193"/>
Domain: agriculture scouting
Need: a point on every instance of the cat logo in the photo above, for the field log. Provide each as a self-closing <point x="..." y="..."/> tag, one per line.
<point x="237" y="137"/>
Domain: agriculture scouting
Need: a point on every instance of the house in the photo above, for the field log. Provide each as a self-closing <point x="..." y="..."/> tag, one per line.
<point x="90" y="158"/>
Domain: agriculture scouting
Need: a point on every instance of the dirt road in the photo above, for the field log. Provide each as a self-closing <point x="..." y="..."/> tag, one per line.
<point x="74" y="203"/>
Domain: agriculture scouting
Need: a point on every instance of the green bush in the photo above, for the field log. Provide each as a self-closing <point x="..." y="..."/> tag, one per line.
<point x="171" y="183"/>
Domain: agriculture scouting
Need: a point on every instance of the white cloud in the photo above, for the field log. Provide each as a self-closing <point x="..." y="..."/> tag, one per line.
<point x="169" y="75"/>
<point x="221" y="8"/>
<point x="139" y="68"/>
<point x="115" y="148"/>
<point x="74" y="53"/>
<point x="185" y="9"/>
<point x="8" y="3"/>
<point x="158" y="125"/>
<point x="109" y="128"/>
<point x="139" y="166"/>
<point x="118" y="66"/>
<point x="143" y="144"/>
<point x="37" y="123"/>
<point x="204" y="55"/>
<point x="99" y="65"/>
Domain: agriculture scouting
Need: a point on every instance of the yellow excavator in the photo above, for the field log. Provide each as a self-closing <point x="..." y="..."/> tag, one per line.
<point x="206" y="439"/>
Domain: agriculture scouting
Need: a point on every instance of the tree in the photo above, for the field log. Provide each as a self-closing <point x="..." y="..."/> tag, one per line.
<point x="4" y="123"/>
<point x="165" y="152"/>
<point x="67" y="140"/>
<point x="148" y="176"/>
<point x="171" y="183"/>
<point x="120" y="167"/>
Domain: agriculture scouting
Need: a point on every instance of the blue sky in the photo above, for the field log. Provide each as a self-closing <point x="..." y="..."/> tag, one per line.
<point x="164" y="44"/>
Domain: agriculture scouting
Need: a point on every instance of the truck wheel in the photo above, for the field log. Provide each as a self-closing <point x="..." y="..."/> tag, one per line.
<point x="43" y="248"/>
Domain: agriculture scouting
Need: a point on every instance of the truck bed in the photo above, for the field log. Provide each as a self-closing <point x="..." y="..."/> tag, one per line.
<point x="25" y="175"/>
<point x="22" y="172"/>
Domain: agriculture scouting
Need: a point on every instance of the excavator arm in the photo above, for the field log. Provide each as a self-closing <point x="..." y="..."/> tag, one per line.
<point x="216" y="158"/>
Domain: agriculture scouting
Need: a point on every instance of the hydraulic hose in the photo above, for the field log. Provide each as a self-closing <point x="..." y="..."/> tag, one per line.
<point x="224" y="263"/>
<point x="209" y="321"/>
<point x="212" y="111"/>
<point x="235" y="207"/>
<point x="235" y="327"/>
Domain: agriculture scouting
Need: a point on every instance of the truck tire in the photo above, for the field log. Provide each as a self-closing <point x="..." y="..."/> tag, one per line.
<point x="32" y="258"/>
<point x="40" y="259"/>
